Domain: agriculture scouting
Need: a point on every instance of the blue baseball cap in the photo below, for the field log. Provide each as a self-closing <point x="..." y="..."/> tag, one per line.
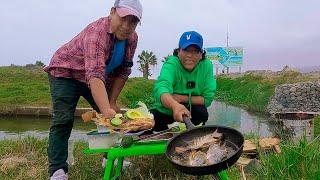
<point x="190" y="38"/>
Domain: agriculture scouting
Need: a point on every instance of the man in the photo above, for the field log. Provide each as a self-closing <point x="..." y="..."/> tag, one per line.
<point x="95" y="64"/>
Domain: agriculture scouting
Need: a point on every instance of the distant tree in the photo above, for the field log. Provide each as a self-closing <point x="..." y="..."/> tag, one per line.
<point x="39" y="63"/>
<point x="146" y="59"/>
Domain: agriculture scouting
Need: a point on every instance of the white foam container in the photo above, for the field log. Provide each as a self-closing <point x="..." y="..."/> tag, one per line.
<point x="103" y="140"/>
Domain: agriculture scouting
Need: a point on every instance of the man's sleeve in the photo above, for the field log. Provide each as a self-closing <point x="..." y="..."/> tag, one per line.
<point x="94" y="55"/>
<point x="165" y="81"/>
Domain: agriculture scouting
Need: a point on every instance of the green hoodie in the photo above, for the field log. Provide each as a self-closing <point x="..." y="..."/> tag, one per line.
<point x="173" y="79"/>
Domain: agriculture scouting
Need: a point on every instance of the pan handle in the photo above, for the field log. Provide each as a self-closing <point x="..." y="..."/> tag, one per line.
<point x="188" y="122"/>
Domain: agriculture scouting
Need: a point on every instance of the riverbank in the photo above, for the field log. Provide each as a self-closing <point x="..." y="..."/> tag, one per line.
<point x="24" y="89"/>
<point x="253" y="90"/>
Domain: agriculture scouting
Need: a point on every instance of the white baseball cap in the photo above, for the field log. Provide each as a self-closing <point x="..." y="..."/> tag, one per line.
<point x="128" y="7"/>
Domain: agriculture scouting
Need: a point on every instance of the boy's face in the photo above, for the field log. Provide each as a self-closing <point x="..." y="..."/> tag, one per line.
<point x="122" y="27"/>
<point x="189" y="57"/>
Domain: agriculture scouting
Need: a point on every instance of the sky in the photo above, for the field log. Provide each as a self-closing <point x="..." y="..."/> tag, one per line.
<point x="273" y="33"/>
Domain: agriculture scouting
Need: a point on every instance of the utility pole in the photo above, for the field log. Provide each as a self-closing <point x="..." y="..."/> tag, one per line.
<point x="228" y="36"/>
<point x="227" y="45"/>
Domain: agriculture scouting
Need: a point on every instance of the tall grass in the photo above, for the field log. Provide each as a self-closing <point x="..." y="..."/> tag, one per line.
<point x="297" y="161"/>
<point x="247" y="91"/>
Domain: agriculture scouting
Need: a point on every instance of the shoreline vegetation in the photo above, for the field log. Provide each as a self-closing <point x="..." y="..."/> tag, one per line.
<point x="28" y="87"/>
<point x="26" y="158"/>
<point x="23" y="89"/>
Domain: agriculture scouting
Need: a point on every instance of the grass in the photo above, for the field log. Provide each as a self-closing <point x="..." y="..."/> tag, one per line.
<point x="253" y="91"/>
<point x="137" y="89"/>
<point x="317" y="126"/>
<point x="29" y="161"/>
<point x="21" y="86"/>
<point x="247" y="91"/>
<point x="297" y="161"/>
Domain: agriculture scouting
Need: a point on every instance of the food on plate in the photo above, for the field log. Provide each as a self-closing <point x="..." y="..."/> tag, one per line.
<point x="116" y="121"/>
<point x="133" y="120"/>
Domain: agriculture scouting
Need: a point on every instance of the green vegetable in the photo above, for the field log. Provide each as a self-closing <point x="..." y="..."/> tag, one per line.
<point x="182" y="127"/>
<point x="116" y="121"/>
<point x="134" y="114"/>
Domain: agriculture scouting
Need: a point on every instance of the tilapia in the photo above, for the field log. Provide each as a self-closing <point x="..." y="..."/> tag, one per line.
<point x="216" y="153"/>
<point x="202" y="142"/>
<point x="197" y="158"/>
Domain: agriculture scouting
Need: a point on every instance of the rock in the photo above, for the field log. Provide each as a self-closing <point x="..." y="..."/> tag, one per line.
<point x="249" y="146"/>
<point x="243" y="161"/>
<point x="293" y="89"/>
<point x="302" y="96"/>
<point x="254" y="164"/>
<point x="268" y="143"/>
<point x="277" y="149"/>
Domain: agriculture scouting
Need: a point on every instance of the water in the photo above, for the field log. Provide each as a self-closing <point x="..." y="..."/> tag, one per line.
<point x="240" y="119"/>
<point x="220" y="114"/>
<point x="16" y="127"/>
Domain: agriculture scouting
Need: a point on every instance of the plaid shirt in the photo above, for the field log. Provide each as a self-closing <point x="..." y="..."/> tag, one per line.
<point x="87" y="54"/>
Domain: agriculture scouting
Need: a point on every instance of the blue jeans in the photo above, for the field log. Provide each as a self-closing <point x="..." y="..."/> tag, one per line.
<point x="65" y="94"/>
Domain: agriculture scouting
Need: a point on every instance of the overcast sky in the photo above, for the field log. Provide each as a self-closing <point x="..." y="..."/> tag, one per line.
<point x="273" y="33"/>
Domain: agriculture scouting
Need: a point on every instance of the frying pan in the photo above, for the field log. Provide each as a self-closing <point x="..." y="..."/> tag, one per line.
<point x="233" y="138"/>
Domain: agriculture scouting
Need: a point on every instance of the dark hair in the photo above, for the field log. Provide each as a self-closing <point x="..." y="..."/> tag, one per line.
<point x="175" y="53"/>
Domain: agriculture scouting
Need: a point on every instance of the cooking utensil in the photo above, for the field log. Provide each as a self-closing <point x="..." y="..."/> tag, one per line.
<point x="233" y="139"/>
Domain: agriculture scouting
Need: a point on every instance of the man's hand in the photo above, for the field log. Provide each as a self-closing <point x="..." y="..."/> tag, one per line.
<point x="109" y="113"/>
<point x="178" y="111"/>
<point x="115" y="107"/>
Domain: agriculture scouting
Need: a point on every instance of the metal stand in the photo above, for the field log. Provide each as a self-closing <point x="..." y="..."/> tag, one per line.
<point x="138" y="148"/>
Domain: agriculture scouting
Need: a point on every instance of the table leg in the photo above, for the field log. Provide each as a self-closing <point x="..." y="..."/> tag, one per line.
<point x="223" y="175"/>
<point x="108" y="169"/>
<point x="119" y="167"/>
